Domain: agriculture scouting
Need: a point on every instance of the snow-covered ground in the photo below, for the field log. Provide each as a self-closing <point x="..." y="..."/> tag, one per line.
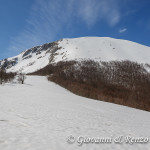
<point x="40" y="115"/>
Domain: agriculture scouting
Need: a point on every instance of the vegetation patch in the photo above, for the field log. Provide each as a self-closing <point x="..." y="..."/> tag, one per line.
<point x="121" y="82"/>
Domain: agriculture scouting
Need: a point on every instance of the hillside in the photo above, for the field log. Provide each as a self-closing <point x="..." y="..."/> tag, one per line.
<point x="41" y="115"/>
<point x="95" y="48"/>
<point x="101" y="68"/>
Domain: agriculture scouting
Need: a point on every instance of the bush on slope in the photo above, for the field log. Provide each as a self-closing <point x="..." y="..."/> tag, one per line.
<point x="121" y="82"/>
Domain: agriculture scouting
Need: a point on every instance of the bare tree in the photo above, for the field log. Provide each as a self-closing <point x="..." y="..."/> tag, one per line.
<point x="21" y="78"/>
<point x="2" y="76"/>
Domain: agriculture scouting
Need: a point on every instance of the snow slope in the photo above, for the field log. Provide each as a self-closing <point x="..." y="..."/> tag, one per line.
<point x="40" y="115"/>
<point x="96" y="48"/>
<point x="105" y="49"/>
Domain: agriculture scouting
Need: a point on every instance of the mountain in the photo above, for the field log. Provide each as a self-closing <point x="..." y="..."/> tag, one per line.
<point x="95" y="48"/>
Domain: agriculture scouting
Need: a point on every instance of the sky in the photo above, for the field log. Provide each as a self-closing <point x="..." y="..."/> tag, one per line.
<point x="28" y="23"/>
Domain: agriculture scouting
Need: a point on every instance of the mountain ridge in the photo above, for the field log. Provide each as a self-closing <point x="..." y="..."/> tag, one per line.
<point x="95" y="48"/>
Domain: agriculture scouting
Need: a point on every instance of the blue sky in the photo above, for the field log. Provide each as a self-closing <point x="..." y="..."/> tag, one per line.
<point x="27" y="23"/>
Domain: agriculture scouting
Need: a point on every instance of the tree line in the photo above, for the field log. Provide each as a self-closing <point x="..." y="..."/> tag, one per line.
<point x="121" y="82"/>
<point x="10" y="76"/>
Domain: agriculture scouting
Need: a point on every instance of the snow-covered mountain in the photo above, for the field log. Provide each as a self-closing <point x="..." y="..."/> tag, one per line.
<point x="96" y="48"/>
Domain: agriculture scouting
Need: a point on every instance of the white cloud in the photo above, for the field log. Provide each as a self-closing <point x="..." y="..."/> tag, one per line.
<point x="92" y="11"/>
<point x="49" y="19"/>
<point x="123" y="30"/>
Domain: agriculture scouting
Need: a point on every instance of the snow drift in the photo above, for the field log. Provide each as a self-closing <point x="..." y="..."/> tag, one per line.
<point x="42" y="115"/>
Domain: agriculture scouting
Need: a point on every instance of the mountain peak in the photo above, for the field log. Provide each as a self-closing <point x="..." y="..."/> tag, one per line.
<point x="95" y="48"/>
